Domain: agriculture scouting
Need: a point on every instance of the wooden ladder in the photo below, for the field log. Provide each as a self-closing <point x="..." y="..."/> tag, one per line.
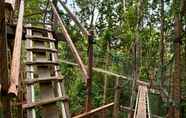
<point x="45" y="94"/>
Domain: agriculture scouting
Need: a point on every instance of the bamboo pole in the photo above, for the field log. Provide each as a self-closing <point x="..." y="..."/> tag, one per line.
<point x="15" y="67"/>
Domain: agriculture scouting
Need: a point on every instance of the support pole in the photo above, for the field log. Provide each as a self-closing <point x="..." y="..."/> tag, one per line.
<point x="15" y="66"/>
<point x="116" y="99"/>
<point x="106" y="82"/>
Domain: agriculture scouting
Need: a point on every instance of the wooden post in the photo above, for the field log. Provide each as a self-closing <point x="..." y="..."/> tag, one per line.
<point x="106" y="78"/>
<point x="116" y="98"/>
<point x="15" y="67"/>
<point x="93" y="111"/>
<point x="130" y="114"/>
<point x="54" y="22"/>
<point x="4" y="81"/>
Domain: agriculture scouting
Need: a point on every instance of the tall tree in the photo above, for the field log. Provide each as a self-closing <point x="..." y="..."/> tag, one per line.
<point x="177" y="77"/>
<point x="161" y="50"/>
<point x="136" y="52"/>
<point x="162" y="39"/>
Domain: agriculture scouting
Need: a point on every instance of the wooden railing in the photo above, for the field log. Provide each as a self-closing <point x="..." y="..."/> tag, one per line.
<point x="93" y="111"/>
<point x="15" y="66"/>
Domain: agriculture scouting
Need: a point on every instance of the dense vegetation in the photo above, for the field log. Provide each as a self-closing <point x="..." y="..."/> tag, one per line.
<point x="153" y="29"/>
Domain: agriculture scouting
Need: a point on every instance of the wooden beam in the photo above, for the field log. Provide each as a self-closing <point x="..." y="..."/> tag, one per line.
<point x="44" y="102"/>
<point x="94" y="110"/>
<point x="70" y="43"/>
<point x="15" y="67"/>
<point x="10" y="3"/>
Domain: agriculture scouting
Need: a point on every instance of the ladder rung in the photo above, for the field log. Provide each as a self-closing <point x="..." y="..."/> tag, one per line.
<point x="39" y="38"/>
<point x="41" y="63"/>
<point x="37" y="29"/>
<point x="44" y="102"/>
<point x="35" y="72"/>
<point x="41" y="49"/>
<point x="42" y="80"/>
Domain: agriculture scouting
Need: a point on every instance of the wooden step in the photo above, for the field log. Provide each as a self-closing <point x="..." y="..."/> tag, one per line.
<point x="41" y="63"/>
<point x="41" y="49"/>
<point x="35" y="72"/>
<point x="39" y="38"/>
<point x="37" y="29"/>
<point x="44" y="102"/>
<point x="42" y="80"/>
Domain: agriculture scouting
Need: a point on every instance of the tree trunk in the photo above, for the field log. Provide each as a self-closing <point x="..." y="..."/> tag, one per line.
<point x="162" y="41"/>
<point x="137" y="55"/>
<point x="4" y="81"/>
<point x="177" y="77"/>
<point x="136" y="72"/>
<point x="161" y="52"/>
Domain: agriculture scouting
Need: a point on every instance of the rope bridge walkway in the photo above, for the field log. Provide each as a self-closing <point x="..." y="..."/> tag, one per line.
<point x="142" y="103"/>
